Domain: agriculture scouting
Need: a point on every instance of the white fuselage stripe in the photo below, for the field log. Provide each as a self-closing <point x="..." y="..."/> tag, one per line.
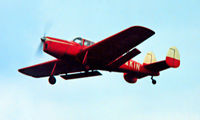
<point x="59" y="42"/>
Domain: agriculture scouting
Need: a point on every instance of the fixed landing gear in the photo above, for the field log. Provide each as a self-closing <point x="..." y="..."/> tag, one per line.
<point x="52" y="80"/>
<point x="153" y="81"/>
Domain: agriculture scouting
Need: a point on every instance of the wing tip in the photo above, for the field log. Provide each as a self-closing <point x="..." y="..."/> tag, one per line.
<point x="151" y="32"/>
<point x="23" y="71"/>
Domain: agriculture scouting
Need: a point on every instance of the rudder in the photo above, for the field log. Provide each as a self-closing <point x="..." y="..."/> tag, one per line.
<point x="149" y="58"/>
<point x="173" y="57"/>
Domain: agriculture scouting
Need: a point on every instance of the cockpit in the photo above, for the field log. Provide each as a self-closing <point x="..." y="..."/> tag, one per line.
<point x="82" y="41"/>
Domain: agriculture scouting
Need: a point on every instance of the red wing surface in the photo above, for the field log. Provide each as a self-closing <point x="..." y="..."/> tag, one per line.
<point x="113" y="47"/>
<point x="44" y="69"/>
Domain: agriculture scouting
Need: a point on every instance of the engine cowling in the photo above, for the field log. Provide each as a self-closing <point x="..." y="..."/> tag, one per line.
<point x="130" y="78"/>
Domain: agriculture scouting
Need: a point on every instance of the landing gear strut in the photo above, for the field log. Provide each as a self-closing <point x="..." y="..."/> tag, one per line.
<point x="153" y="81"/>
<point x="52" y="80"/>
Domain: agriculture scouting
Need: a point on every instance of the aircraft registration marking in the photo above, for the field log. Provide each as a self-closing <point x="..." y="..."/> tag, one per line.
<point x="133" y="65"/>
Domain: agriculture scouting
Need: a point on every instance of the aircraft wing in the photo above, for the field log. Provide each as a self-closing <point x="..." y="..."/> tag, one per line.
<point x="44" y="69"/>
<point x="109" y="49"/>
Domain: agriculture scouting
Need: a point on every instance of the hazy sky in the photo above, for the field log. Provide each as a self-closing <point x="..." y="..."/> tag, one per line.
<point x="176" y="96"/>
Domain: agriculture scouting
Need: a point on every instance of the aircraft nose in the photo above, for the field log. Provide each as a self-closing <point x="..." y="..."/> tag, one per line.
<point x="43" y="39"/>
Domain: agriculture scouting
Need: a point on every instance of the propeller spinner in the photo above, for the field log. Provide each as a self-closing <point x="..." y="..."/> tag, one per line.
<point x="43" y="39"/>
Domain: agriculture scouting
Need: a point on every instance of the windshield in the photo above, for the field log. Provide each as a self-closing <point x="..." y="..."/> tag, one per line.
<point x="88" y="43"/>
<point x="78" y="40"/>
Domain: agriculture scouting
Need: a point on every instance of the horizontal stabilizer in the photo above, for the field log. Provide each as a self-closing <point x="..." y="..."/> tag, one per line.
<point x="80" y="75"/>
<point x="121" y="60"/>
<point x="157" y="66"/>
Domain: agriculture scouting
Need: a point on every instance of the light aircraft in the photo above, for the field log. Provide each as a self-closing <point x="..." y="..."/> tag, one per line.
<point x="83" y="58"/>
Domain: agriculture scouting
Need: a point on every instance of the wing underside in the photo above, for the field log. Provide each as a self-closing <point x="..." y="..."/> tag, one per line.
<point x="109" y="49"/>
<point x="45" y="69"/>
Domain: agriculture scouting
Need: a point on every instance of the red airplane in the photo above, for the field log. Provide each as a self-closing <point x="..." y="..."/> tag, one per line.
<point x="83" y="58"/>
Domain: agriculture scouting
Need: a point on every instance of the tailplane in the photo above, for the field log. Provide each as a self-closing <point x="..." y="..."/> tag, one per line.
<point x="172" y="60"/>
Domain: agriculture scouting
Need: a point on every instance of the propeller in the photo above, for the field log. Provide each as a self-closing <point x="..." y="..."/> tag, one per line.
<point x="47" y="27"/>
<point x="40" y="47"/>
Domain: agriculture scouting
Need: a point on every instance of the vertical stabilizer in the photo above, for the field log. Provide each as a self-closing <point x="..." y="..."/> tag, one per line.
<point x="149" y="58"/>
<point x="173" y="57"/>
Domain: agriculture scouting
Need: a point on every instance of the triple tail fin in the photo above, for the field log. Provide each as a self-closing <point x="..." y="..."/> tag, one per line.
<point x="172" y="60"/>
<point x="173" y="57"/>
<point x="149" y="58"/>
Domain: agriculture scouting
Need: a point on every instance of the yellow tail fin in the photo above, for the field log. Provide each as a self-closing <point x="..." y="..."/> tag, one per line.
<point x="173" y="57"/>
<point x="149" y="58"/>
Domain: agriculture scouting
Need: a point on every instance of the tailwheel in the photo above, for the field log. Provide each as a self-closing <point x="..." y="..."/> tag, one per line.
<point x="153" y="81"/>
<point x="52" y="80"/>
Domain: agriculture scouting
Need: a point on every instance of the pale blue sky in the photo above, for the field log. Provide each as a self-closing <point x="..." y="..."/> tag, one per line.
<point x="175" y="97"/>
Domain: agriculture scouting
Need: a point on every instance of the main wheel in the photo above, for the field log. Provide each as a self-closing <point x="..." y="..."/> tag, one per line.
<point x="154" y="82"/>
<point x="52" y="80"/>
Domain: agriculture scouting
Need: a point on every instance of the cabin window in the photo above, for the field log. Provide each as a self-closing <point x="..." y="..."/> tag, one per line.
<point x="78" y="40"/>
<point x="86" y="43"/>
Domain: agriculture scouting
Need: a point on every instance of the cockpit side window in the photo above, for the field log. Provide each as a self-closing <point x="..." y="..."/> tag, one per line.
<point x="78" y="40"/>
<point x="86" y="43"/>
